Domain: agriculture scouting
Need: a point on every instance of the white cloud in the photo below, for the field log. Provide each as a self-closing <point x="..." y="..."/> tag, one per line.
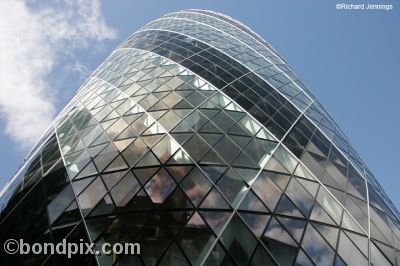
<point x="77" y="67"/>
<point x="31" y="42"/>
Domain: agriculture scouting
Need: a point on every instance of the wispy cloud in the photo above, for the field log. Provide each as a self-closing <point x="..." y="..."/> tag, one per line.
<point x="32" y="39"/>
<point x="80" y="69"/>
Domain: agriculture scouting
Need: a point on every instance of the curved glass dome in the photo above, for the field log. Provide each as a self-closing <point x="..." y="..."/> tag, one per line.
<point x="196" y="139"/>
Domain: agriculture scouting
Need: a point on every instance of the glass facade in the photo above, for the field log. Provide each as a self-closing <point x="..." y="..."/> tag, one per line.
<point x="196" y="140"/>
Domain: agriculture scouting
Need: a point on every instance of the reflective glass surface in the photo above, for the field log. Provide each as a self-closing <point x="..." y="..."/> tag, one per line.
<point x="197" y="140"/>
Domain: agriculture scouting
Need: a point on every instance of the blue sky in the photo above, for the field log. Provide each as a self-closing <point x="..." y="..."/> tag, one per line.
<point x="348" y="58"/>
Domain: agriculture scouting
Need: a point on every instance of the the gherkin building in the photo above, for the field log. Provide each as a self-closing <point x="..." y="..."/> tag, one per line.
<point x="197" y="140"/>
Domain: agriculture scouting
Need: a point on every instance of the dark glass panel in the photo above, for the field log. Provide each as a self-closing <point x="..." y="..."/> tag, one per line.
<point x="238" y="241"/>
<point x="280" y="243"/>
<point x="316" y="247"/>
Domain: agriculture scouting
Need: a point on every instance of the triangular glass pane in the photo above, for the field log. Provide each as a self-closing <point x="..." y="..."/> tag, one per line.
<point x="387" y="251"/>
<point x="182" y="113"/>
<point x="100" y="140"/>
<point x="172" y="99"/>
<point x="116" y="128"/>
<point x="122" y="144"/>
<point x="196" y="239"/>
<point x="80" y="185"/>
<point x="330" y="204"/>
<point x="117" y="165"/>
<point x="208" y="105"/>
<point x="214" y="172"/>
<point x="252" y="203"/>
<point x="302" y="259"/>
<point x="339" y="261"/>
<point x="183" y="104"/>
<point x="210" y="113"/>
<point x="329" y="233"/>
<point x="311" y="187"/>
<point x="182" y="127"/>
<point x="238" y="130"/>
<point x="349" y="223"/>
<point x="360" y="241"/>
<point x="157" y="114"/>
<point x="112" y="178"/>
<point x="280" y="179"/>
<point x="130" y="118"/>
<point x="295" y="227"/>
<point x="77" y="147"/>
<point x="301" y="171"/>
<point x="180" y="157"/>
<point x="177" y="200"/>
<point x="239" y="241"/>
<point x="196" y="221"/>
<point x="127" y="133"/>
<point x="181" y="137"/>
<point x="105" y="156"/>
<point x="169" y="120"/>
<point x="319" y="214"/>
<point x="260" y="150"/>
<point x="76" y="164"/>
<point x="124" y="191"/>
<point x="150" y="140"/>
<point x="105" y="206"/>
<point x="262" y="257"/>
<point x="165" y="148"/>
<point x="232" y="186"/>
<point x="218" y="256"/>
<point x="300" y="197"/>
<point x="160" y="186"/>
<point x="160" y="105"/>
<point x="274" y="165"/>
<point x="214" y="200"/>
<point x="256" y="222"/>
<point x="89" y="170"/>
<point x="283" y="156"/>
<point x="211" y="139"/>
<point x="211" y="157"/>
<point x="93" y="151"/>
<point x="178" y="172"/>
<point x="286" y="207"/>
<point x="377" y="258"/>
<point x="349" y="253"/>
<point x="248" y="175"/>
<point x="112" y="115"/>
<point x="196" y="186"/>
<point x="316" y="247"/>
<point x="154" y="129"/>
<point x="339" y="195"/>
<point x="277" y="232"/>
<point x="232" y="107"/>
<point x="155" y="239"/>
<point x="244" y="161"/>
<point x="263" y="134"/>
<point x="358" y="209"/>
<point x="91" y="195"/>
<point x="215" y="219"/>
<point x="96" y="226"/>
<point x="196" y="147"/>
<point x="144" y="174"/>
<point x="173" y="256"/>
<point x="141" y="201"/>
<point x="227" y="149"/>
<point x="148" y="160"/>
<point x="267" y="191"/>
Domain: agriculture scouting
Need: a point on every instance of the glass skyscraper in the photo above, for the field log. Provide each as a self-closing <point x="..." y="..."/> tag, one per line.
<point x="197" y="140"/>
